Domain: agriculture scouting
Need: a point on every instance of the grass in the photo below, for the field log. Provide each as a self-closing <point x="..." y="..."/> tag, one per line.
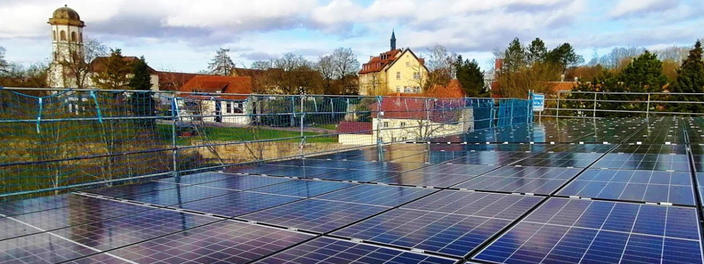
<point x="246" y="134"/>
<point x="326" y="126"/>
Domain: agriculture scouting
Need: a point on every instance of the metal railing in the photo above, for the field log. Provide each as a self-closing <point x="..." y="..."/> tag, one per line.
<point x="60" y="139"/>
<point x="588" y="104"/>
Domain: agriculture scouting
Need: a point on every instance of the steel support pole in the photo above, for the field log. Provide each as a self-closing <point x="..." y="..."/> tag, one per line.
<point x="594" y="110"/>
<point x="557" y="114"/>
<point x="647" y="109"/>
<point x="174" y="151"/>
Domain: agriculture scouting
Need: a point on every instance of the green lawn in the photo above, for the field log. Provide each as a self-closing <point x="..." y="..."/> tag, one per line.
<point x="246" y="134"/>
<point x="327" y="126"/>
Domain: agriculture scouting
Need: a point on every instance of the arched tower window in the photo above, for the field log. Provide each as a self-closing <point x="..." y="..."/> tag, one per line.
<point x="74" y="38"/>
<point x="63" y="35"/>
<point x="80" y="37"/>
<point x="54" y="35"/>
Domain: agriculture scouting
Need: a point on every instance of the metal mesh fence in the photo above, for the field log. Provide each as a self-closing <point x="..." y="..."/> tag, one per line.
<point x="55" y="140"/>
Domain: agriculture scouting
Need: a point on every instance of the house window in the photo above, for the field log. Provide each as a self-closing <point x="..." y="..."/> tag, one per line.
<point x="408" y="64"/>
<point x="386" y="124"/>
<point x="403" y="124"/>
<point x="398" y="75"/>
<point x="416" y="75"/>
<point x="398" y="89"/>
<point x="407" y="89"/>
<point x="228" y="108"/>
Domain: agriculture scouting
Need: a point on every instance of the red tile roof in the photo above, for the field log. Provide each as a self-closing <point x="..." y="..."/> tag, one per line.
<point x="439" y="110"/>
<point x="172" y="81"/>
<point x="452" y="90"/>
<point x="220" y="84"/>
<point x="346" y="127"/>
<point x="378" y="63"/>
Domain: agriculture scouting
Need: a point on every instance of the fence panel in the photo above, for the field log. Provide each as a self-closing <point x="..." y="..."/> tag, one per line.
<point x="60" y="139"/>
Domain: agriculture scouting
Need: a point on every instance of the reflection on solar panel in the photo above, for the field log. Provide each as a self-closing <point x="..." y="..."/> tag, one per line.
<point x="315" y="215"/>
<point x="628" y="161"/>
<point x="328" y="250"/>
<point x="635" y="185"/>
<point x="221" y="242"/>
<point x="570" y="231"/>
<point x="553" y="193"/>
<point x="377" y="195"/>
<point x="542" y="180"/>
<point x="237" y="203"/>
<point x="423" y="224"/>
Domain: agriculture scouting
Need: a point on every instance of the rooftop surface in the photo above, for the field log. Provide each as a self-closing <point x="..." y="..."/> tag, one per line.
<point x="606" y="190"/>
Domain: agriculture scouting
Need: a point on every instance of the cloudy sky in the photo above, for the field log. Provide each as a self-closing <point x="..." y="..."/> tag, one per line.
<point x="182" y="35"/>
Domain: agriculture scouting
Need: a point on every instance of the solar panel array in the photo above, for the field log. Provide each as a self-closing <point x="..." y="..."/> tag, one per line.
<point x="567" y="191"/>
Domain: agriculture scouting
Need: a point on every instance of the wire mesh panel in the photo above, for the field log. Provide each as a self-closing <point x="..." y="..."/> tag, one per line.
<point x="57" y="139"/>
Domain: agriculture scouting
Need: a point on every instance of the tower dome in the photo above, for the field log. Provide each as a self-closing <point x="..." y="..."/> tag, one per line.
<point x="66" y="16"/>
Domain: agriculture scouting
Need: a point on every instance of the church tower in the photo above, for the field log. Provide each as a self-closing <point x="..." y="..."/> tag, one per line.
<point x="66" y="45"/>
<point x="393" y="40"/>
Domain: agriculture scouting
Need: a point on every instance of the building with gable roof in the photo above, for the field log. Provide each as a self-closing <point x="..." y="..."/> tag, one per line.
<point x="393" y="71"/>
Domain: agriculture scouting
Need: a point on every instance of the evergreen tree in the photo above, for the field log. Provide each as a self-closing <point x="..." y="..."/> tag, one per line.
<point x="564" y="56"/>
<point x="537" y="51"/>
<point x="643" y="74"/>
<point x="690" y="79"/>
<point x="115" y="72"/>
<point x="142" y="102"/>
<point x="470" y="77"/>
<point x="515" y="56"/>
<point x="222" y="63"/>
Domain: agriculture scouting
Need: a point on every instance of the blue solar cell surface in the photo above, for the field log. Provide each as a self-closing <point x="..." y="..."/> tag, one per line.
<point x="377" y="194"/>
<point x="398" y="224"/>
<point x="320" y="216"/>
<point x="423" y="224"/>
<point x="328" y="250"/>
<point x="542" y="180"/>
<point x="571" y="230"/>
<point x="648" y="186"/>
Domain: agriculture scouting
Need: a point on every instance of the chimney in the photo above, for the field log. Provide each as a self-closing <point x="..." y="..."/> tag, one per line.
<point x="562" y="77"/>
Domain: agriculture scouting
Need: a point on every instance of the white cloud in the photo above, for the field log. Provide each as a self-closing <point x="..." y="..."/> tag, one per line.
<point x="630" y="7"/>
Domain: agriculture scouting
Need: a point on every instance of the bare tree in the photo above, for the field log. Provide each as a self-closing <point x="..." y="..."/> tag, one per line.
<point x="327" y="68"/>
<point x="77" y="66"/>
<point x="221" y="64"/>
<point x="3" y="62"/>
<point x="440" y="66"/>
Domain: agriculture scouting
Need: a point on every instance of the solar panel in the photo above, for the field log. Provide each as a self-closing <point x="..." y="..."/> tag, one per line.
<point x="561" y="159"/>
<point x="237" y="203"/>
<point x="571" y="230"/>
<point x="421" y="225"/>
<point x="281" y="170"/>
<point x="315" y="215"/>
<point x="179" y="195"/>
<point x="303" y="188"/>
<point x="356" y="175"/>
<point x="491" y="158"/>
<point x="328" y="250"/>
<point x="628" y="161"/>
<point x="377" y="194"/>
<point x="493" y="205"/>
<point x="197" y="178"/>
<point x="81" y="210"/>
<point x="244" y="182"/>
<point x="635" y="185"/>
<point x="24" y="206"/>
<point x="220" y="242"/>
<point x="41" y="248"/>
<point x="542" y="180"/>
<point x="122" y="231"/>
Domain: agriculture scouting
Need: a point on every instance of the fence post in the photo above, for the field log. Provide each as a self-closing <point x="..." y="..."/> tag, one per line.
<point x="647" y="109"/>
<point x="557" y="114"/>
<point x="379" y="139"/>
<point x="293" y="110"/>
<point x="303" y="116"/>
<point x="510" y="122"/>
<point x="594" y="110"/>
<point x="174" y="151"/>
